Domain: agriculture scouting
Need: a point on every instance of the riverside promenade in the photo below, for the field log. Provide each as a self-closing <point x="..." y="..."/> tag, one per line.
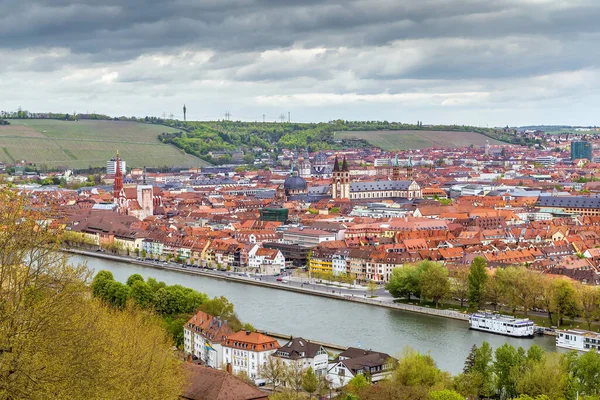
<point x="309" y="289"/>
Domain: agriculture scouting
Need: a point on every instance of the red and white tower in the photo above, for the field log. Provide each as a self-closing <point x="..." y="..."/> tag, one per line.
<point x="118" y="183"/>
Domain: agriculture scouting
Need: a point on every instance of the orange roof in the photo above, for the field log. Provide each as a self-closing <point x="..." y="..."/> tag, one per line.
<point x="251" y="341"/>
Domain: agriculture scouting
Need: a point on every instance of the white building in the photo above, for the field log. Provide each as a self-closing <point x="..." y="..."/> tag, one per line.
<point x="307" y="237"/>
<point x="203" y="335"/>
<point x="306" y="353"/>
<point x="355" y="361"/>
<point x="578" y="339"/>
<point x="247" y="351"/>
<point x="111" y="167"/>
<point x="266" y="261"/>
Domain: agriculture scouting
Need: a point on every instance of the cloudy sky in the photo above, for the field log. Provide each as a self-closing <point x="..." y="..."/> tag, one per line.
<point x="483" y="62"/>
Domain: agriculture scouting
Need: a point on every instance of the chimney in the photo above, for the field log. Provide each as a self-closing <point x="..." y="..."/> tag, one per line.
<point x="248" y="333"/>
<point x="229" y="369"/>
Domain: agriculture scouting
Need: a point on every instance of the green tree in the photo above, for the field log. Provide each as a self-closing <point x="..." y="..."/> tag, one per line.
<point x="589" y="299"/>
<point x="545" y="377"/>
<point x="459" y="284"/>
<point x="416" y="369"/>
<point x="141" y="293"/>
<point x="133" y="278"/>
<point x="433" y="278"/>
<point x="564" y="299"/>
<point x="507" y="358"/>
<point x="445" y="394"/>
<point x="477" y="278"/>
<point x="587" y="373"/>
<point x="404" y="282"/>
<point x="372" y="287"/>
<point x="358" y="383"/>
<point x="310" y="383"/>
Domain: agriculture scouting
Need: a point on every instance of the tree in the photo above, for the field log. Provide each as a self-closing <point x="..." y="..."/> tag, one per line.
<point x="434" y="281"/>
<point x="310" y="383"/>
<point x="294" y="375"/>
<point x="133" y="278"/>
<point x="470" y="360"/>
<point x="404" y="282"/>
<point x="507" y="358"/>
<point x="56" y="340"/>
<point x="357" y="383"/>
<point x="274" y="372"/>
<point x="445" y="394"/>
<point x="141" y="293"/>
<point x="459" y="284"/>
<point x="589" y="299"/>
<point x="372" y="287"/>
<point x="545" y="377"/>
<point x="416" y="369"/>
<point x="477" y="278"/>
<point x="587" y="373"/>
<point x="563" y="300"/>
<point x="100" y="283"/>
<point x="493" y="291"/>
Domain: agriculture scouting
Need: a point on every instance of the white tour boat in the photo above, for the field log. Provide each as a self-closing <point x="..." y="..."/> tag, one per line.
<point x="578" y="339"/>
<point x="501" y="324"/>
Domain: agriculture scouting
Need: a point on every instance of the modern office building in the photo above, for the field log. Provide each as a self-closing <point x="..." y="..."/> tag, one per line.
<point x="581" y="149"/>
<point x="111" y="166"/>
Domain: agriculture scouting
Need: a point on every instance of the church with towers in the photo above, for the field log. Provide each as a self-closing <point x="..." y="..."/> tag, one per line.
<point x="397" y="187"/>
<point x="133" y="199"/>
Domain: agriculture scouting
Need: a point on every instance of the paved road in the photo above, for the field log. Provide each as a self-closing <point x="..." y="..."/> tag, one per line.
<point x="285" y="279"/>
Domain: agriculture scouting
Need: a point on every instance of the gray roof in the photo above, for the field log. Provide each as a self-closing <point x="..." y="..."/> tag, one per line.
<point x="298" y="348"/>
<point x="379" y="186"/>
<point x="569" y="202"/>
<point x="295" y="183"/>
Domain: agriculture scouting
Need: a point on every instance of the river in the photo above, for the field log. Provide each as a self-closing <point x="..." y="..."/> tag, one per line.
<point x="333" y="321"/>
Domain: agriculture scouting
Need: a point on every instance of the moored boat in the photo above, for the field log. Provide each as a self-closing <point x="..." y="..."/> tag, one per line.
<point x="578" y="339"/>
<point x="501" y="324"/>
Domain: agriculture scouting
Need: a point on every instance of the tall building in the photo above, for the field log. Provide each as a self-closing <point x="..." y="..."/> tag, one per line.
<point x="111" y="166"/>
<point x="581" y="149"/>
<point x="118" y="183"/>
<point x="340" y="183"/>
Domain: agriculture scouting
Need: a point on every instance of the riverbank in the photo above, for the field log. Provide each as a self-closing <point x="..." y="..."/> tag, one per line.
<point x="279" y="286"/>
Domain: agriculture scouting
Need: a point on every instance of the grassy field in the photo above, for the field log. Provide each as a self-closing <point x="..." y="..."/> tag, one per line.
<point x="404" y="140"/>
<point x="85" y="143"/>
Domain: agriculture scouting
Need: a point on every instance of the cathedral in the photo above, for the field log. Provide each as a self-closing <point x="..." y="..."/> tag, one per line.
<point x="139" y="201"/>
<point x="343" y="188"/>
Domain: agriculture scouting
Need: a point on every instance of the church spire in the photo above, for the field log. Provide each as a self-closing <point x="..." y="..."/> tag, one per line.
<point x="345" y="165"/>
<point x="118" y="183"/>
<point x="336" y="164"/>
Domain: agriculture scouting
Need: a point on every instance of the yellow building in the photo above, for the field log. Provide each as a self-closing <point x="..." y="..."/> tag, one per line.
<point x="320" y="266"/>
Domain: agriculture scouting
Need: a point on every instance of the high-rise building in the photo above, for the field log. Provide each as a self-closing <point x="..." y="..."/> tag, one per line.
<point x="111" y="166"/>
<point x="581" y="149"/>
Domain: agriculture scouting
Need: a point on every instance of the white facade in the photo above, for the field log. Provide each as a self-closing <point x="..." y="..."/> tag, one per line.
<point x="576" y="339"/>
<point x="246" y="360"/>
<point x="501" y="324"/>
<point x="307" y="237"/>
<point x="111" y="167"/>
<point x="338" y="264"/>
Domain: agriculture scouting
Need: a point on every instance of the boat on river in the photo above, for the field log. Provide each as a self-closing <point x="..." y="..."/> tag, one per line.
<point x="578" y="339"/>
<point x="501" y="324"/>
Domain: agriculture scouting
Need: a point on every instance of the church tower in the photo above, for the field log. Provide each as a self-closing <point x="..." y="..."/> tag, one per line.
<point x="340" y="182"/>
<point x="118" y="183"/>
<point x="396" y="169"/>
<point x="305" y="167"/>
<point x="409" y="169"/>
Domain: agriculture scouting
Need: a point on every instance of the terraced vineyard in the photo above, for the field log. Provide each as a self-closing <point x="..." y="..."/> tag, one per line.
<point x="85" y="143"/>
<point x="417" y="139"/>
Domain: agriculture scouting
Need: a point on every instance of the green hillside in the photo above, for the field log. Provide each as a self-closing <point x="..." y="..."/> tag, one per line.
<point x="85" y="143"/>
<point x="418" y="139"/>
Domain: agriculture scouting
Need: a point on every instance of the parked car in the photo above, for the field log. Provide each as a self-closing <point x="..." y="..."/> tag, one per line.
<point x="280" y="279"/>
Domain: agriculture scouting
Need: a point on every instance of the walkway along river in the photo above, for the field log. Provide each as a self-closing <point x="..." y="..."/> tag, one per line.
<point x="333" y="321"/>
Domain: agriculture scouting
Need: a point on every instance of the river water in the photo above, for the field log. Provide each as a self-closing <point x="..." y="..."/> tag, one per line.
<point x="333" y="321"/>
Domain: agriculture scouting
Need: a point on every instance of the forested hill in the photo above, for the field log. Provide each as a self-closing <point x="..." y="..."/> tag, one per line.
<point x="224" y="138"/>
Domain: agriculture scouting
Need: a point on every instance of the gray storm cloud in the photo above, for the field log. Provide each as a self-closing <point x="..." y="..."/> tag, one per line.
<point x="453" y="61"/>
